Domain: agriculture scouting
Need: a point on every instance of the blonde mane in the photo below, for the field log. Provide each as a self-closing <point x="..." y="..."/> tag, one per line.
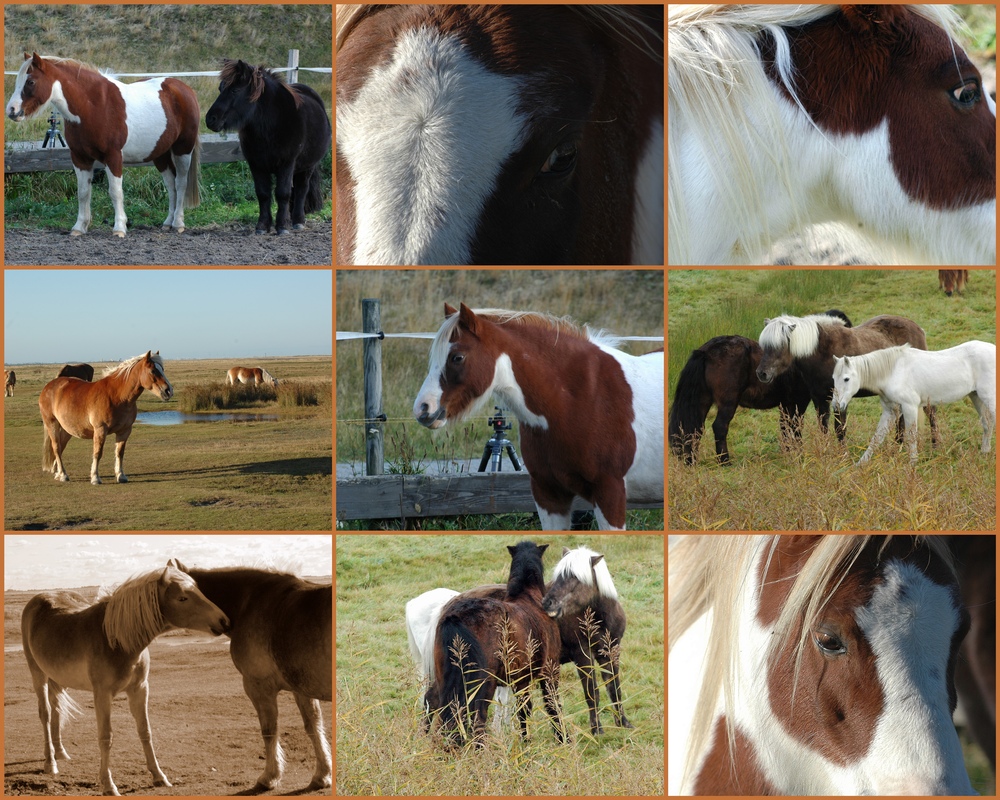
<point x="708" y="574"/>
<point x="125" y="367"/>
<point x="133" y="617"/>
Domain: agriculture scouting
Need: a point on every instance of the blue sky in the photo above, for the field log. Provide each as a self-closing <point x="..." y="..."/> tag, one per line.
<point x="64" y="316"/>
<point x="69" y="561"/>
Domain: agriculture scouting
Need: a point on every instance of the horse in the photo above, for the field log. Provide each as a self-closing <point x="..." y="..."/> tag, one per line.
<point x="481" y="641"/>
<point x="469" y="134"/>
<point x="84" y="372"/>
<point x="952" y="280"/>
<point x="905" y="379"/>
<point x="810" y="343"/>
<point x="783" y="116"/>
<point x="116" y="123"/>
<point x="255" y="376"/>
<point x="581" y="581"/>
<point x="100" y="647"/>
<point x="9" y="382"/>
<point x="551" y="375"/>
<point x="72" y="407"/>
<point x="813" y="665"/>
<point x="284" y="131"/>
<point x="282" y="640"/>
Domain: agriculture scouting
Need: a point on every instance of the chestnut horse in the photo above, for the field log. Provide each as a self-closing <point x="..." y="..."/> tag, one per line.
<point x="474" y="134"/>
<point x="814" y="665"/>
<point x="72" y="407"/>
<point x="282" y="640"/>
<point x="482" y="641"/>
<point x="553" y="377"/>
<point x="100" y="647"/>
<point x="116" y="123"/>
<point x="84" y="372"/>
<point x="810" y="344"/>
<point x="251" y="375"/>
<point x="952" y="280"/>
<point x="9" y="382"/>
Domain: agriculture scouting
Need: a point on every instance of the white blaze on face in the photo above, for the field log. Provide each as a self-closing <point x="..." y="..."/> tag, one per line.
<point x="425" y="139"/>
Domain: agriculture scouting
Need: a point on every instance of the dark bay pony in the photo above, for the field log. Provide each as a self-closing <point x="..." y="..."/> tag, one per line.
<point x="484" y="641"/>
<point x="814" y="665"/>
<point x="282" y="640"/>
<point x="73" y="407"/>
<point x="116" y="123"/>
<point x="952" y="280"/>
<point x="252" y="375"/>
<point x="71" y="643"/>
<point x="469" y="134"/>
<point x="84" y="372"/>
<point x="284" y="131"/>
<point x="552" y="375"/>
<point x="810" y="343"/>
<point x="9" y="382"/>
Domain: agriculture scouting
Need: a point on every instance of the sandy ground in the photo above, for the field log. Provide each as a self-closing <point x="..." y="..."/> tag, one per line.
<point x="205" y="730"/>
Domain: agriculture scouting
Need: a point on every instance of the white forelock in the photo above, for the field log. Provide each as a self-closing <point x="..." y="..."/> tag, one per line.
<point x="577" y="563"/>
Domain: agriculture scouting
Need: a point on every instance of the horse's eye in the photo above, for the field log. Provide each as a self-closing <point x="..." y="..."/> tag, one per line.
<point x="829" y="643"/>
<point x="561" y="161"/>
<point x="457" y="358"/>
<point x="967" y="95"/>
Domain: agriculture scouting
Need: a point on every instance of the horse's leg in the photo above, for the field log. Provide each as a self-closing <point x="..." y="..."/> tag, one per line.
<point x="176" y="183"/>
<point x="45" y="708"/>
<point x="60" y="703"/>
<point x="611" y="669"/>
<point x="312" y="718"/>
<point x="608" y="497"/>
<point x="138" y="703"/>
<point x="102" y="707"/>
<point x="932" y="421"/>
<point x="884" y="423"/>
<point x="264" y="697"/>
<point x="114" y="165"/>
<point x="986" y="419"/>
<point x="910" y="417"/>
<point x="283" y="194"/>
<point x="84" y="183"/>
<point x="554" y="504"/>
<point x="262" y="187"/>
<point x="55" y="442"/>
<point x="720" y="427"/>
<point x="121" y="439"/>
<point x="592" y="694"/>
<point x="99" y="435"/>
<point x="300" y="191"/>
<point x="170" y="181"/>
<point x="550" y="693"/>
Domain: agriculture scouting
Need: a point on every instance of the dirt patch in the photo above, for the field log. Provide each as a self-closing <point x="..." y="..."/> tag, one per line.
<point x="230" y="245"/>
<point x="204" y="727"/>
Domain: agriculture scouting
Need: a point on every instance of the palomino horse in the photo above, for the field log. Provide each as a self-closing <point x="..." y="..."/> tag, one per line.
<point x="952" y="280"/>
<point x="282" y="632"/>
<point x="904" y="378"/>
<point x="782" y="116"/>
<point x="101" y="647"/>
<point x="580" y="582"/>
<point x="252" y="375"/>
<point x="284" y="131"/>
<point x="553" y="375"/>
<point x="813" y="665"/>
<point x="84" y="372"/>
<point x="810" y="344"/>
<point x="9" y="382"/>
<point x="116" y="123"/>
<point x="72" y="407"/>
<point x="470" y="134"/>
<point x="483" y="641"/>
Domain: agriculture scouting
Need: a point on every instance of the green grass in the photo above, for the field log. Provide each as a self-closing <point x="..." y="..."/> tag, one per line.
<point x="380" y="749"/>
<point x="817" y="486"/>
<point x="268" y="475"/>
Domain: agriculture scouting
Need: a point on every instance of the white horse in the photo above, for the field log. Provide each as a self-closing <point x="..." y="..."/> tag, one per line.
<point x="776" y="123"/>
<point x="906" y="379"/>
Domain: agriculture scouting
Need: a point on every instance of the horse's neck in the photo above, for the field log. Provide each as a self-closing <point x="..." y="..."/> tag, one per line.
<point x="128" y="388"/>
<point x="79" y="88"/>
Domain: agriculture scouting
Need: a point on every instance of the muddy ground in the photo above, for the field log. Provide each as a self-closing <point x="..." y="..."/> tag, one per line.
<point x="146" y="246"/>
<point x="205" y="729"/>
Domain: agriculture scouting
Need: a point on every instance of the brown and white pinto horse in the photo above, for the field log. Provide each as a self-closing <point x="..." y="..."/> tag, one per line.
<point x="554" y="377"/>
<point x="867" y="116"/>
<point x="72" y="407"/>
<point x="471" y="134"/>
<point x="251" y="375"/>
<point x="814" y="665"/>
<point x="9" y="382"/>
<point x="116" y="123"/>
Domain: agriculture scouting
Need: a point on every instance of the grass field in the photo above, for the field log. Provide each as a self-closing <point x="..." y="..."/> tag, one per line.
<point x="627" y="302"/>
<point x="269" y="475"/>
<point x="379" y="747"/>
<point x="817" y="487"/>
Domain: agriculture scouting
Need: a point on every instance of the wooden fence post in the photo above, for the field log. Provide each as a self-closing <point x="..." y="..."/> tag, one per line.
<point x="293" y="66"/>
<point x="371" y="322"/>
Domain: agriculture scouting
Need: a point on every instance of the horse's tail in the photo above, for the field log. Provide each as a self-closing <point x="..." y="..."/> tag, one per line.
<point x="192" y="197"/>
<point x="687" y="418"/>
<point x="314" y="195"/>
<point x="461" y="676"/>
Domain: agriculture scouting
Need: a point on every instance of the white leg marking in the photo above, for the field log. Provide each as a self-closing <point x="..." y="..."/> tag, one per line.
<point x="118" y="201"/>
<point x="84" y="184"/>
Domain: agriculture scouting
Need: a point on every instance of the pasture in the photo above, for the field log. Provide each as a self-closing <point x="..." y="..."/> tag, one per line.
<point x="380" y="749"/>
<point x="230" y="475"/>
<point x="816" y="486"/>
<point x="623" y="302"/>
<point x="204" y="727"/>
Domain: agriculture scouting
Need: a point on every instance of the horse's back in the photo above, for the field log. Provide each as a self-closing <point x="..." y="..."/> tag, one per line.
<point x="422" y="615"/>
<point x="60" y="631"/>
<point x="897" y="330"/>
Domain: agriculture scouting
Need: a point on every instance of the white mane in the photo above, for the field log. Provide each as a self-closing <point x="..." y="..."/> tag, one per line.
<point x="577" y="563"/>
<point x="799" y="334"/>
<point x="873" y="368"/>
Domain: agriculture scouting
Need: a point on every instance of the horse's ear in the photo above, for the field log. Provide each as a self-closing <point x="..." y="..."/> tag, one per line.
<point x="792" y="327"/>
<point x="595" y="560"/>
<point x="767" y="321"/>
<point x="165" y="577"/>
<point x="36" y="60"/>
<point x="566" y="552"/>
<point x="149" y="355"/>
<point x="449" y="310"/>
<point x="542" y="548"/>
<point x="176" y="564"/>
<point x="467" y="319"/>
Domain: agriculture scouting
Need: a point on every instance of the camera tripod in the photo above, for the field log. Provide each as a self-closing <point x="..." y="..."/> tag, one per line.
<point x="493" y="452"/>
<point x="53" y="133"/>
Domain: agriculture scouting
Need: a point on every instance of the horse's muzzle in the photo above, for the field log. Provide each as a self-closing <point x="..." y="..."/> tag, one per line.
<point x="764" y="376"/>
<point x="17" y="116"/>
<point x="428" y="420"/>
<point x="222" y="627"/>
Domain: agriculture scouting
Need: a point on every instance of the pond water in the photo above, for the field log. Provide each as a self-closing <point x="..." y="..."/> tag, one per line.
<point x="180" y="417"/>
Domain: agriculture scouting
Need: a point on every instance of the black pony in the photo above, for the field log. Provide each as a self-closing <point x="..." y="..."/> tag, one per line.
<point x="284" y="131"/>
<point x="722" y="372"/>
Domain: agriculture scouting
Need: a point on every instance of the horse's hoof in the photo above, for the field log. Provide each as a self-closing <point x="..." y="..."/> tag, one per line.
<point x="95" y="481"/>
<point x="162" y="781"/>
<point x="625" y="724"/>
<point x="281" y="232"/>
<point x="180" y="230"/>
<point x="299" y="226"/>
<point x="321" y="782"/>
<point x="122" y="479"/>
<point x="75" y="232"/>
<point x="260" y="232"/>
<point x="119" y="234"/>
<point x="62" y="478"/>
